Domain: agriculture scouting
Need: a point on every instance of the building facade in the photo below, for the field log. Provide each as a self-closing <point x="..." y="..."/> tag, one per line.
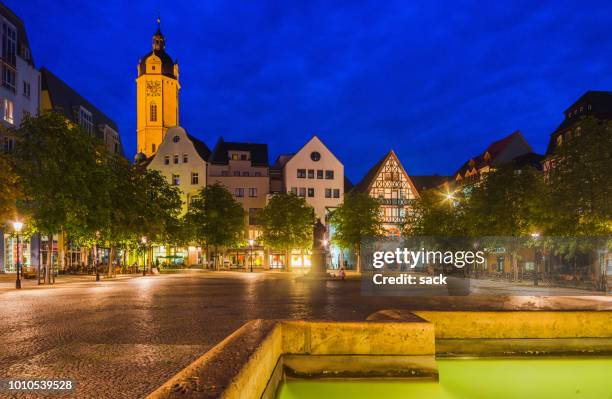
<point x="596" y="104"/>
<point x="19" y="97"/>
<point x="157" y="96"/>
<point x="243" y="169"/>
<point x="315" y="174"/>
<point x="388" y="182"/>
<point x="20" y="88"/>
<point x="183" y="160"/>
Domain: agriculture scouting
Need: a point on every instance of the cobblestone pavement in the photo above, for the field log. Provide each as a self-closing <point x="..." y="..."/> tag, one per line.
<point x="123" y="338"/>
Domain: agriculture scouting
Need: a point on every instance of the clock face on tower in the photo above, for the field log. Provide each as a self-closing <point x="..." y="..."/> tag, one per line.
<point x="153" y="88"/>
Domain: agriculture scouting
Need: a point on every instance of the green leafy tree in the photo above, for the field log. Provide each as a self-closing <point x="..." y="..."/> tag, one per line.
<point x="287" y="223"/>
<point x="53" y="159"/>
<point x="158" y="207"/>
<point x="580" y="201"/>
<point x="359" y="216"/>
<point x="216" y="219"/>
<point x="506" y="207"/>
<point x="436" y="214"/>
<point x="10" y="189"/>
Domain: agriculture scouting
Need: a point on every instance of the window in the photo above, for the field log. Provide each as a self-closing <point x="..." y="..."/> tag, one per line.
<point x="9" y="56"/>
<point x="185" y="158"/>
<point x="26" y="89"/>
<point x="153" y="112"/>
<point x="252" y="192"/>
<point x="167" y="160"/>
<point x="311" y="173"/>
<point x="315" y="156"/>
<point x="224" y="173"/>
<point x="234" y="157"/>
<point x="319" y="173"/>
<point x="152" y="147"/>
<point x="329" y="174"/>
<point x="236" y="173"/>
<point x="176" y="159"/>
<point x="86" y="119"/>
<point x="302" y="191"/>
<point x="176" y="179"/>
<point x="301" y="173"/>
<point x="311" y="192"/>
<point x="195" y="178"/>
<point x="336" y="193"/>
<point x="245" y="174"/>
<point x="243" y="157"/>
<point x="176" y="139"/>
<point x="328" y="193"/>
<point x="239" y="192"/>
<point x="294" y="190"/>
<point x="8" y="111"/>
<point x="257" y="174"/>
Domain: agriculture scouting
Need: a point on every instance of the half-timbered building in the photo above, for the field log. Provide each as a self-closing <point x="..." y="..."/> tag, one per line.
<point x="388" y="182"/>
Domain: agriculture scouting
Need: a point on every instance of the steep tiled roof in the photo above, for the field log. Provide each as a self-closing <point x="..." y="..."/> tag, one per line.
<point x="64" y="98"/>
<point x="200" y="147"/>
<point x="494" y="149"/>
<point x="259" y="152"/>
<point x="371" y="174"/>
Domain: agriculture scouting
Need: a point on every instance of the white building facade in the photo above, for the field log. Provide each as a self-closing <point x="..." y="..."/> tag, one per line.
<point x="183" y="160"/>
<point x="316" y="174"/>
<point x="19" y="97"/>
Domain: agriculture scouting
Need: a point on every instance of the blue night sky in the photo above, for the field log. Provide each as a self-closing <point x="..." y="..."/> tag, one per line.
<point x="436" y="82"/>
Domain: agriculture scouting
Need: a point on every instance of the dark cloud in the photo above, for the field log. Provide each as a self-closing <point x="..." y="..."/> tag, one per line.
<point x="436" y="81"/>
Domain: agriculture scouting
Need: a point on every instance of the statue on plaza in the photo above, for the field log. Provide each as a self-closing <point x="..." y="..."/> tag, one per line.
<point x="318" y="256"/>
<point x="318" y="235"/>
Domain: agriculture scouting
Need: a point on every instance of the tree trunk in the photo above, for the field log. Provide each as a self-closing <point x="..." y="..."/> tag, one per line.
<point x="61" y="250"/>
<point x="150" y="259"/>
<point x="111" y="257"/>
<point x="358" y="266"/>
<point x="514" y="267"/>
<point x="288" y="260"/>
<point x="49" y="259"/>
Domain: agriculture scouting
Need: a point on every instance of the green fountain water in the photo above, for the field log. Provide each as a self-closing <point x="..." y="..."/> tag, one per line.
<point x="549" y="378"/>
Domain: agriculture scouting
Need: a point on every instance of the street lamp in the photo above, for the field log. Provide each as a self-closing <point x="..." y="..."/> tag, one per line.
<point x="143" y="239"/>
<point x="251" y="242"/>
<point x="535" y="236"/>
<point x="96" y="256"/>
<point x="17" y="226"/>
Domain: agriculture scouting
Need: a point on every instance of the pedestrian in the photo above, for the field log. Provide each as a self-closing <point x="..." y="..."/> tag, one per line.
<point x="342" y="273"/>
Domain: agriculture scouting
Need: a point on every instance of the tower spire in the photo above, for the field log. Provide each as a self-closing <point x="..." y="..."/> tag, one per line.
<point x="159" y="41"/>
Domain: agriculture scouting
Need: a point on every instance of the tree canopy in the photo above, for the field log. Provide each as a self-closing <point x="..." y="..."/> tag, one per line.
<point x="215" y="218"/>
<point x="287" y="222"/>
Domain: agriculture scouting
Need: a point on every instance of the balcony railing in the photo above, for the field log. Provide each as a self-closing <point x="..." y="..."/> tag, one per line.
<point x="394" y="201"/>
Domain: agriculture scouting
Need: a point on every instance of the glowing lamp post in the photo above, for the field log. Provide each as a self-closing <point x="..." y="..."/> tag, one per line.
<point x="535" y="236"/>
<point x="17" y="226"/>
<point x="251" y="242"/>
<point x="144" y="257"/>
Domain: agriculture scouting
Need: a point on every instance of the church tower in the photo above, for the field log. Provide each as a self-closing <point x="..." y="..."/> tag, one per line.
<point x="157" y="100"/>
